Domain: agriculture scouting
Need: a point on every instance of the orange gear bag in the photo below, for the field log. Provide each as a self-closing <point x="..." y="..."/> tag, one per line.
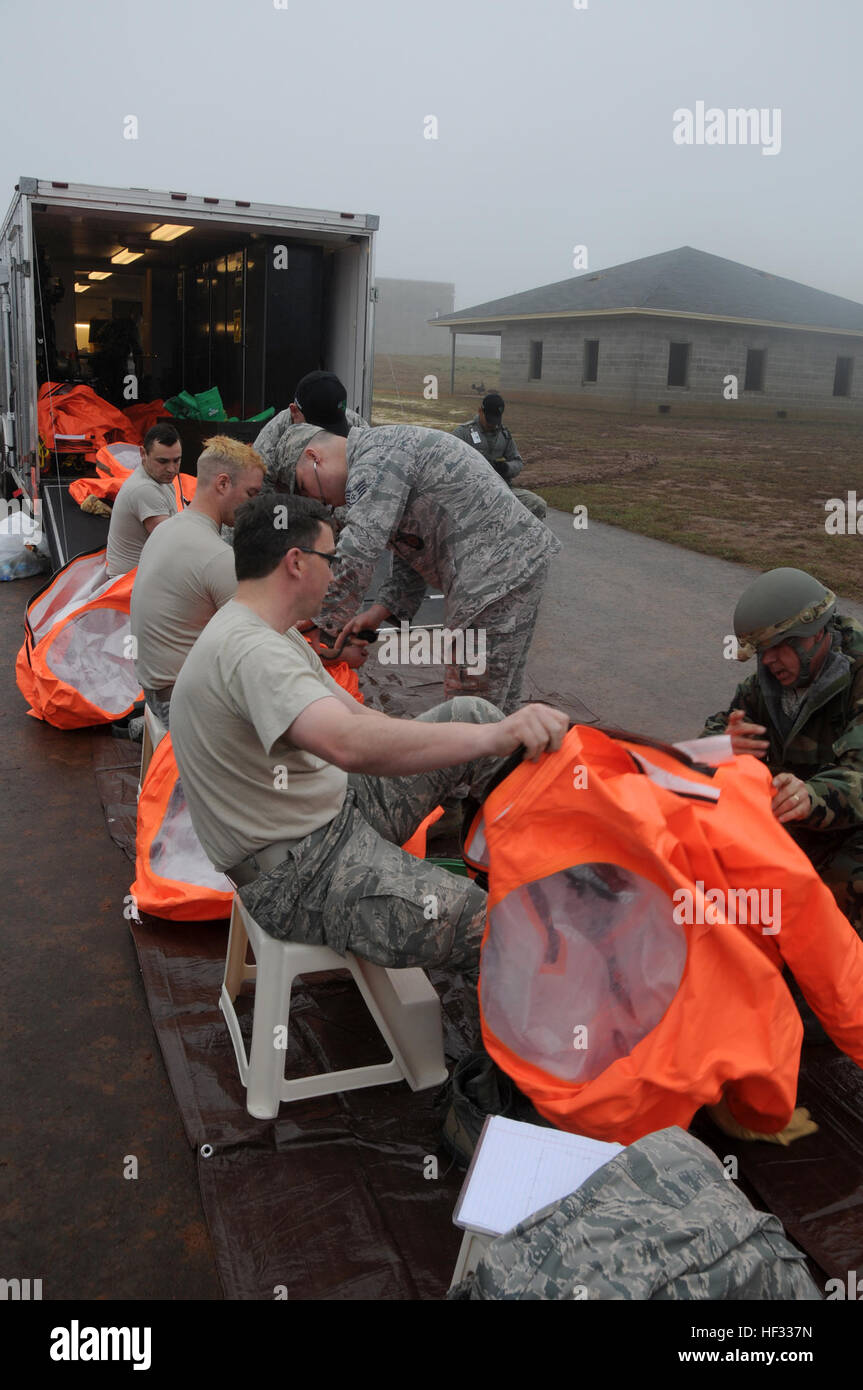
<point x="345" y="676"/>
<point x="105" y="489"/>
<point x="174" y="878"/>
<point x="63" y="408"/>
<point x="143" y="416"/>
<point x="75" y="668"/>
<point x="114" y="463"/>
<point x="641" y="907"/>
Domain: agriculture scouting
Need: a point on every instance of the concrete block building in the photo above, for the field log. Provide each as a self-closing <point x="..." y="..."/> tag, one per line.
<point x="680" y="331"/>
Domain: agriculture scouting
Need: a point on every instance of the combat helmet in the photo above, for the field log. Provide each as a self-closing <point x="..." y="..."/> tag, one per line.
<point x="778" y="605"/>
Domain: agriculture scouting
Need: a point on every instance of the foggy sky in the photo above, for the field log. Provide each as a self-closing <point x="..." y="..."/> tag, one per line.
<point x="555" y="125"/>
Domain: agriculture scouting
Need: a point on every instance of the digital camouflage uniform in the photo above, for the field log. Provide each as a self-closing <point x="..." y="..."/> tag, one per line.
<point x="823" y="746"/>
<point x="161" y="708"/>
<point x="661" y="1221"/>
<point x="498" y="447"/>
<point x="270" y="443"/>
<point x="452" y="523"/>
<point x="350" y="886"/>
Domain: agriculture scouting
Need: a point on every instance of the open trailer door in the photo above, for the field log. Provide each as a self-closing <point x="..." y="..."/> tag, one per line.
<point x="18" y="429"/>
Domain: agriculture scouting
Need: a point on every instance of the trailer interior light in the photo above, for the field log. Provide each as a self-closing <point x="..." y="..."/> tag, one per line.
<point x="126" y="257"/>
<point x="81" y="289"/>
<point x="169" y="231"/>
<point x="100" y="275"/>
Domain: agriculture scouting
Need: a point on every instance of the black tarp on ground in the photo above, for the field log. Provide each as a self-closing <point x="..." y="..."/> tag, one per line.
<point x="331" y="1199"/>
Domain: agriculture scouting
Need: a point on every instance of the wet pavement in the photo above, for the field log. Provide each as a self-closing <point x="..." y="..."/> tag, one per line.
<point x="85" y="1096"/>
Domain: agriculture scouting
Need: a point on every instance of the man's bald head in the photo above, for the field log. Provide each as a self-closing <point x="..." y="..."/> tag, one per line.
<point x="321" y="470"/>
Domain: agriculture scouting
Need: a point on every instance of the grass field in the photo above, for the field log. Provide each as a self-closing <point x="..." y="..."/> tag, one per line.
<point x="750" y="491"/>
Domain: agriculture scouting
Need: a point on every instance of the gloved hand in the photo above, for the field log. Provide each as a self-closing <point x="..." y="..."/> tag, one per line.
<point x="95" y="506"/>
<point x="799" y="1126"/>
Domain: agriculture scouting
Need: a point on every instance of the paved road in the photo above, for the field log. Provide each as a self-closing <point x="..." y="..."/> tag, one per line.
<point x="634" y="628"/>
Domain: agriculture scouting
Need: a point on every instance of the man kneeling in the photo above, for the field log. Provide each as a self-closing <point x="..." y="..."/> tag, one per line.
<point x="302" y="795"/>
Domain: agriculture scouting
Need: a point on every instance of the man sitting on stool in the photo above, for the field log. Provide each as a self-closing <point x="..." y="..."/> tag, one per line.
<point x="304" y="796"/>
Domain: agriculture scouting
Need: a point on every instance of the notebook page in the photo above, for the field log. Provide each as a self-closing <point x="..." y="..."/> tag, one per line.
<point x="520" y="1168"/>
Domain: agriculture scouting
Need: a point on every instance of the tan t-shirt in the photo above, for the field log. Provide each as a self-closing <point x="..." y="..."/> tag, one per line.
<point x="185" y="574"/>
<point x="139" y="497"/>
<point x="242" y="685"/>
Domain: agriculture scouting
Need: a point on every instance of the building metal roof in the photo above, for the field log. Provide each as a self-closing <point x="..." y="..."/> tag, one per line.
<point x="685" y="283"/>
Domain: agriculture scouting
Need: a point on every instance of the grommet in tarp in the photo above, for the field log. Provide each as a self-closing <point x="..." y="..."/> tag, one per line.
<point x="207" y="1151"/>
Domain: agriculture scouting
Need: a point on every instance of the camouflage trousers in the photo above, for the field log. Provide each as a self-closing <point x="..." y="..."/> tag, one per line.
<point x="161" y="708"/>
<point x="504" y="631"/>
<point x="532" y="501"/>
<point x="838" y="858"/>
<point x="659" y="1222"/>
<point x="350" y="886"/>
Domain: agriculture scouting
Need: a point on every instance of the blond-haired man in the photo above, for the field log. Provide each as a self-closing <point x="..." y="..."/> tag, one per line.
<point x="186" y="571"/>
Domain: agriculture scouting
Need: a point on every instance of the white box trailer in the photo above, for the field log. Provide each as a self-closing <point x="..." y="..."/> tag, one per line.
<point x="170" y="292"/>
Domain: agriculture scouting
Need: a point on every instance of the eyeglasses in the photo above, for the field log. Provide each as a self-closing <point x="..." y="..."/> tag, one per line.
<point x="332" y="558"/>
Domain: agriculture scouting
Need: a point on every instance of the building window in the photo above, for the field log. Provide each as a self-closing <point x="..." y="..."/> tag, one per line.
<point x="535" y="369"/>
<point x="591" y="359"/>
<point x="755" y="362"/>
<point x="842" y="376"/>
<point x="678" y="364"/>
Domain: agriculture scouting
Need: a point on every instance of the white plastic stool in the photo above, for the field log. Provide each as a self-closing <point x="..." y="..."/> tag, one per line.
<point x="154" y="732"/>
<point x="403" y="1004"/>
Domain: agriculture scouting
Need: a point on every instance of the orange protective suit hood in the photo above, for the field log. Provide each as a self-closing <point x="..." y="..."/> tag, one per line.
<point x="641" y="909"/>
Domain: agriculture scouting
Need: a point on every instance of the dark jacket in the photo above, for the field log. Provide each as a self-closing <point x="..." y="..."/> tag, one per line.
<point x="823" y="746"/>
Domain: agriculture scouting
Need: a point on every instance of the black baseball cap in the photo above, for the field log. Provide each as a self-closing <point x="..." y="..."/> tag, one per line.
<point x="323" y="399"/>
<point x="492" y="407"/>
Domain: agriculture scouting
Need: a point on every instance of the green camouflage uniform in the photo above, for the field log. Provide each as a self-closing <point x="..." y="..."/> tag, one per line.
<point x="270" y="441"/>
<point x="498" y="447"/>
<point x="661" y="1221"/>
<point x="451" y="523"/>
<point x="350" y="886"/>
<point x="823" y="746"/>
